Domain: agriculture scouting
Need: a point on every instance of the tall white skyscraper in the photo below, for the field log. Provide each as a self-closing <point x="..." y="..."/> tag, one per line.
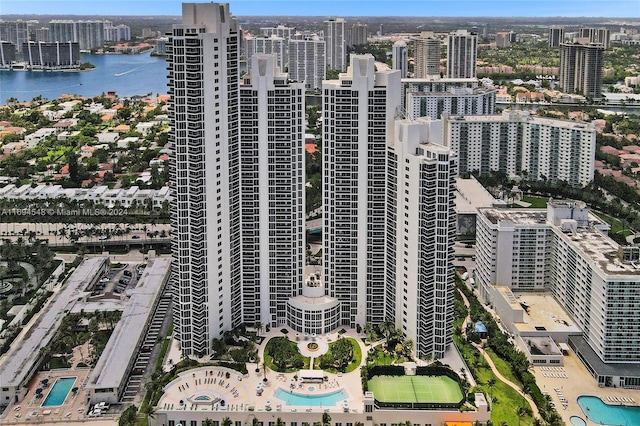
<point x="272" y="187"/>
<point x="427" y="57"/>
<point x="238" y="210"/>
<point x="358" y="114"/>
<point x="335" y="44"/>
<point x="420" y="235"/>
<point x="89" y="34"/>
<point x="238" y="171"/>
<point x="400" y="58"/>
<point x="307" y="60"/>
<point x="270" y="44"/>
<point x="16" y="32"/>
<point x="202" y="56"/>
<point x="280" y="31"/>
<point x="462" y="51"/>
<point x="556" y="36"/>
<point x="359" y="34"/>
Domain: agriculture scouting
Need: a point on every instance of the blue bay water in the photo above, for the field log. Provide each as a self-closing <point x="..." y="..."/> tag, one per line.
<point x="127" y="75"/>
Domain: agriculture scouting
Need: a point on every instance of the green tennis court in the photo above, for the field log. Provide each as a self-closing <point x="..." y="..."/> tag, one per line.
<point x="412" y="389"/>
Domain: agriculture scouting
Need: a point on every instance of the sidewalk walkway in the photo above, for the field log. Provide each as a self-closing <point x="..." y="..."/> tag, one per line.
<point x="532" y="404"/>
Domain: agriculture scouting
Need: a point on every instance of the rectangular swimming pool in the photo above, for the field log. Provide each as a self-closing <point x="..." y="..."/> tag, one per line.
<point x="59" y="392"/>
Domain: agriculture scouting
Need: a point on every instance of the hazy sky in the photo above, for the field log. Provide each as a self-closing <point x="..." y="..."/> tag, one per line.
<point x="498" y="8"/>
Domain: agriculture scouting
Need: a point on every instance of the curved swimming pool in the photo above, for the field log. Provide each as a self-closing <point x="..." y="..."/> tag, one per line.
<point x="327" y="399"/>
<point x="599" y="412"/>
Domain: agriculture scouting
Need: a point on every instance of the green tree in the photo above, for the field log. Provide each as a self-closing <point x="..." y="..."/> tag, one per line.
<point x="72" y="160"/>
<point x="491" y="383"/>
<point x="333" y="74"/>
<point x="326" y="419"/>
<point x="128" y="417"/>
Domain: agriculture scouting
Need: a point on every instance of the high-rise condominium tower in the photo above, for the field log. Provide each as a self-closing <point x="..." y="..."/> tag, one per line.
<point x="400" y="58"/>
<point x="427" y="58"/>
<point x="15" y="32"/>
<point x="272" y="191"/>
<point x="268" y="44"/>
<point x="420" y="235"/>
<point x="462" y="50"/>
<point x="597" y="35"/>
<point x="581" y="69"/>
<point x="359" y="35"/>
<point x="556" y="36"/>
<point x="336" y="44"/>
<point x="306" y="60"/>
<point x="202" y="56"/>
<point x="238" y="164"/>
<point x="358" y="111"/>
<point x="89" y="34"/>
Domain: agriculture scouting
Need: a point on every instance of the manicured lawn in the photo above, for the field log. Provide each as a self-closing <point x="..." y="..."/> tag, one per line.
<point x="507" y="400"/>
<point x="616" y="225"/>
<point x="503" y="367"/>
<point x="536" y="202"/>
<point x="434" y="389"/>
<point x="56" y="362"/>
<point x="357" y="355"/>
<point x="380" y="358"/>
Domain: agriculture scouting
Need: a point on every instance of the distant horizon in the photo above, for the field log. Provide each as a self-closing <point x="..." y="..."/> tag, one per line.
<point x="628" y="9"/>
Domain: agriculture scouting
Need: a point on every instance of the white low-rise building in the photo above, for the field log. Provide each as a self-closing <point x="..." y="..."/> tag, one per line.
<point x="107" y="137"/>
<point x="131" y="197"/>
<point x="33" y="139"/>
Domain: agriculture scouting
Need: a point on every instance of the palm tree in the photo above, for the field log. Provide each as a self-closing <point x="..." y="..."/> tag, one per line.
<point x="387" y="327"/>
<point x="521" y="412"/>
<point x="326" y="419"/>
<point x="407" y="347"/>
<point x="149" y="410"/>
<point x="491" y="383"/>
<point x="207" y="422"/>
<point x="369" y="332"/>
<point x="279" y="422"/>
<point x="226" y="421"/>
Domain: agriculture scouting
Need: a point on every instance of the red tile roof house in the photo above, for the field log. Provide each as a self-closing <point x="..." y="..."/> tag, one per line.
<point x="611" y="150"/>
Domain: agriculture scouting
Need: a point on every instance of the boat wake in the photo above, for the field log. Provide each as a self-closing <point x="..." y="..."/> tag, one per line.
<point x="126" y="72"/>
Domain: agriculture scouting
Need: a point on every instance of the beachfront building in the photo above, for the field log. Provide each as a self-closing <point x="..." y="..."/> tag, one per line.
<point x="421" y="229"/>
<point x="358" y="113"/>
<point x="565" y="251"/>
<point x="272" y="207"/>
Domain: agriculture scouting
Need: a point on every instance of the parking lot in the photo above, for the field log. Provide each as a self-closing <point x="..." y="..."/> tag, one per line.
<point x="117" y="280"/>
